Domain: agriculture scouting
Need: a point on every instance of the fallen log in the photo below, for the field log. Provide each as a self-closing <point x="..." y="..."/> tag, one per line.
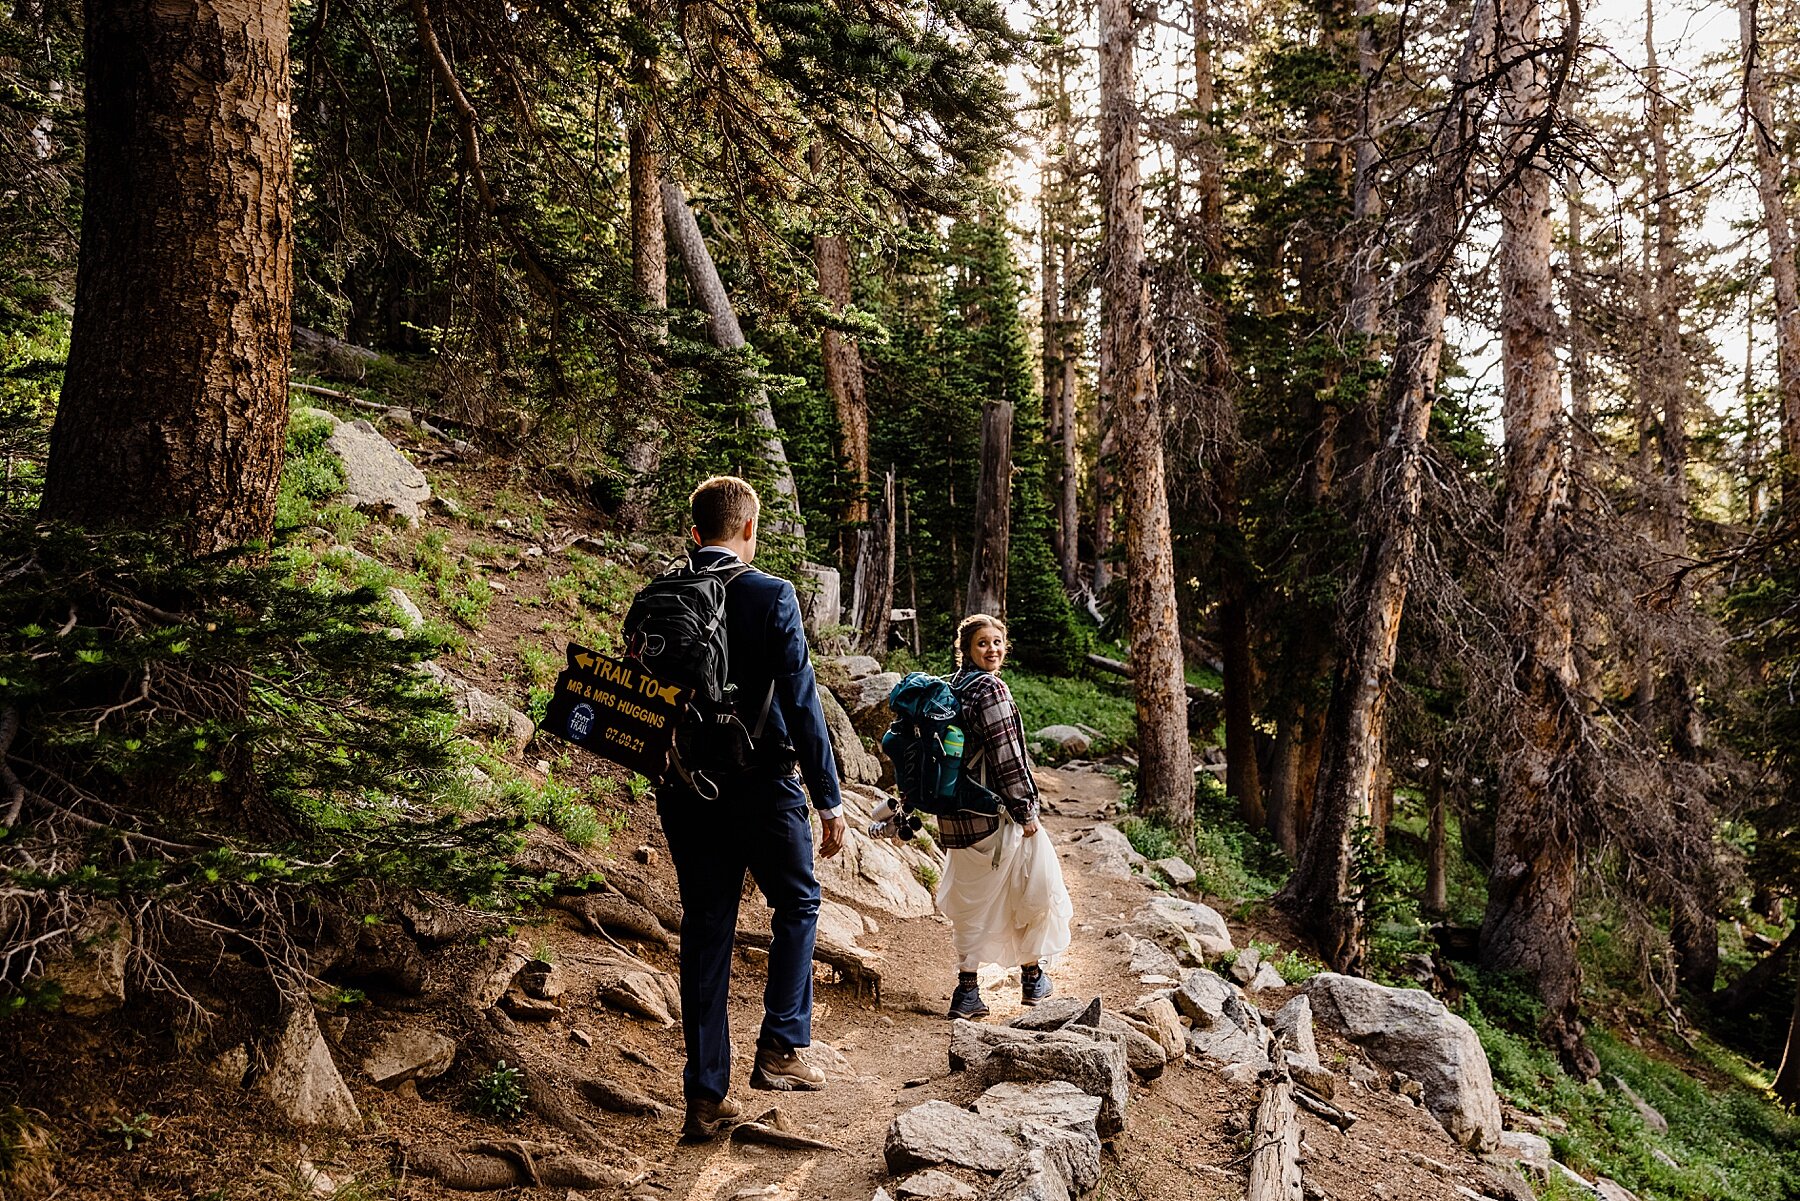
<point x="1319" y="1107"/>
<point x="1275" y="1143"/>
<point x="1119" y="667"/>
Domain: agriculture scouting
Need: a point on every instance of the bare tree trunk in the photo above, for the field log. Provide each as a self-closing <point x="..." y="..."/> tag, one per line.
<point x="1243" y="780"/>
<point x="1529" y="928"/>
<point x="174" y="404"/>
<point x="993" y="512"/>
<point x="727" y="334"/>
<point x="1282" y="795"/>
<point x="873" y="601"/>
<point x="1356" y="721"/>
<point x="1771" y="187"/>
<point x="1165" y="759"/>
<point x="1787" y="1079"/>
<point x="1437" y="889"/>
<point x="650" y="281"/>
<point x="844" y="374"/>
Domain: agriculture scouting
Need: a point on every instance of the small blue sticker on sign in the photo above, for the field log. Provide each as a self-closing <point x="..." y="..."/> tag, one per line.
<point x="581" y="720"/>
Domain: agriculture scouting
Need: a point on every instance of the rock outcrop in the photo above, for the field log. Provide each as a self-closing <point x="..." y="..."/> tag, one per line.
<point x="1410" y="1030"/>
<point x="302" y="1080"/>
<point x="376" y="476"/>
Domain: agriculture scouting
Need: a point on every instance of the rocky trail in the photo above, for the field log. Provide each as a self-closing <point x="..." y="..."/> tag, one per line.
<point x="1141" y="1079"/>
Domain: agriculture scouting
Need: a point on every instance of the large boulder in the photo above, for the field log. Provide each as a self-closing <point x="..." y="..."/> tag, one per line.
<point x="866" y="700"/>
<point x="1411" y="1031"/>
<point x="1065" y="740"/>
<point x="409" y="1053"/>
<point x="1158" y="1018"/>
<point x="1040" y="1139"/>
<point x="482" y="712"/>
<point x="302" y="1079"/>
<point x="870" y="874"/>
<point x="1237" y="1034"/>
<point x="1113" y="854"/>
<point x="938" y="1132"/>
<point x="1055" y="1103"/>
<point x="1201" y="921"/>
<point x="376" y="476"/>
<point x="856" y="763"/>
<point x="88" y="966"/>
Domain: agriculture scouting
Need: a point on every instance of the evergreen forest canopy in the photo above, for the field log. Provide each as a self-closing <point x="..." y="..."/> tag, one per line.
<point x="1428" y="372"/>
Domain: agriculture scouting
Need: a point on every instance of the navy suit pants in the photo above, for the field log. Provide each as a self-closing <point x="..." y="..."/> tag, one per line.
<point x="713" y="843"/>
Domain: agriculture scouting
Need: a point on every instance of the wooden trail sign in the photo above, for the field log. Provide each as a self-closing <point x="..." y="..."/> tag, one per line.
<point x="617" y="710"/>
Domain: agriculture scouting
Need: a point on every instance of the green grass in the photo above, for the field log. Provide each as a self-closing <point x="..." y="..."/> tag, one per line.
<point x="1730" y="1142"/>
<point x="1069" y="701"/>
<point x="1233" y="862"/>
<point x="310" y="475"/>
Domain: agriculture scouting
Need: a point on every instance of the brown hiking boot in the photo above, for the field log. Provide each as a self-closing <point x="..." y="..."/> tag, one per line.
<point x="783" y="1071"/>
<point x="706" y="1118"/>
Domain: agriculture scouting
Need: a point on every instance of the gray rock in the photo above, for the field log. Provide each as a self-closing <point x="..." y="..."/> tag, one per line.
<point x="1237" y="1037"/>
<point x="1153" y="959"/>
<point x="376" y="476"/>
<point x="1521" y="1146"/>
<point x="1168" y="931"/>
<point x="870" y="874"/>
<point x="838" y="923"/>
<point x="1266" y="978"/>
<point x="1143" y="1054"/>
<point x="410" y="616"/>
<point x="1243" y="968"/>
<point x="1098" y="1066"/>
<point x="409" y="1053"/>
<point x="1293" y="1025"/>
<point x="855" y="668"/>
<point x="1033" y="1176"/>
<point x="1160" y="1021"/>
<point x="482" y="712"/>
<point x="303" y="1081"/>
<point x="1612" y="1190"/>
<point x="1113" y="853"/>
<point x="1203" y="997"/>
<point x="938" y="1132"/>
<point x="1411" y="1031"/>
<point x="933" y="1185"/>
<point x="1203" y="921"/>
<point x="1066" y="739"/>
<point x="1653" y="1118"/>
<point x="527" y="1008"/>
<point x="854" y="760"/>
<point x="545" y="981"/>
<point x="1058" y="1012"/>
<point x="1664" y="1158"/>
<point x="229" y="1067"/>
<point x="88" y="964"/>
<point x="1177" y="870"/>
<point x="1310" y="1074"/>
<point x="866" y="701"/>
<point x="1055" y="1103"/>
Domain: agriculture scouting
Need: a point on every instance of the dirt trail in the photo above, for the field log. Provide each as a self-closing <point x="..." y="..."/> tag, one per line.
<point x="1185" y="1137"/>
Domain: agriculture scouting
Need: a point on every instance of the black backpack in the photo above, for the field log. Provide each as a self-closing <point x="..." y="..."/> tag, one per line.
<point x="675" y="629"/>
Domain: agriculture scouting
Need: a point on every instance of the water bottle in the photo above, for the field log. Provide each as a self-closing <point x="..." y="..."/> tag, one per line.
<point x="953" y="742"/>
<point x="950" y="770"/>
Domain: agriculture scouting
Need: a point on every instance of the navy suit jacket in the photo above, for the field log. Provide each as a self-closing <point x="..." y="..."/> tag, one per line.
<point x="768" y="645"/>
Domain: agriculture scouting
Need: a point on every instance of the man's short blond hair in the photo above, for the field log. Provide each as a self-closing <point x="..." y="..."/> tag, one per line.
<point x="721" y="505"/>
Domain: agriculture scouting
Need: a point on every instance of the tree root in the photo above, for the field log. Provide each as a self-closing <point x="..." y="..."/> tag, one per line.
<point x="615" y="1097"/>
<point x="493" y="1037"/>
<point x="612" y="913"/>
<point x="499" y="1165"/>
<point x="629" y="884"/>
<point x="849" y="966"/>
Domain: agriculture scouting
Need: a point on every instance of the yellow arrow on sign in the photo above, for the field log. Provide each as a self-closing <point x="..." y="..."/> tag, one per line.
<point x="585" y="662"/>
<point x="667" y="693"/>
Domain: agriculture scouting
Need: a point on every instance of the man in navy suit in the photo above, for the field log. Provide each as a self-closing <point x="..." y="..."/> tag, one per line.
<point x="758" y="823"/>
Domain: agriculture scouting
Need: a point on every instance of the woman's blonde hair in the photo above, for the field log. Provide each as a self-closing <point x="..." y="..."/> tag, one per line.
<point x="970" y="626"/>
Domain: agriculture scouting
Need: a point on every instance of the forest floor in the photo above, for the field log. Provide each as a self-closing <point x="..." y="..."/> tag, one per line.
<point x="502" y="578"/>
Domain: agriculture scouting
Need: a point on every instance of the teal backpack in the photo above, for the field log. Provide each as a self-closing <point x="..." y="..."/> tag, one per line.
<point x="925" y="743"/>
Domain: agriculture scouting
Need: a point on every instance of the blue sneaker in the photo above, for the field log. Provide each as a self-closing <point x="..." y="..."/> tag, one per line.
<point x="1034" y="985"/>
<point x="966" y="1002"/>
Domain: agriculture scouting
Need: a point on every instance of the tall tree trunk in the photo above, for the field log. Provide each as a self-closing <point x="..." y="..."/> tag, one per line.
<point x="1437" y="888"/>
<point x="1282" y="795"/>
<point x="726" y="334"/>
<point x="1165" y="759"/>
<point x="174" y="403"/>
<point x="1243" y="780"/>
<point x="844" y="374"/>
<point x="993" y="512"/>
<point x="650" y="282"/>
<point x="873" y="602"/>
<point x="1529" y="927"/>
<point x="1771" y="186"/>
<point x="1355" y="724"/>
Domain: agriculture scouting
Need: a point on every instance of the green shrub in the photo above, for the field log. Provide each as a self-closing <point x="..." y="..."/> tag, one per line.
<point x="1073" y="700"/>
<point x="310" y="474"/>
<point x="499" y="1094"/>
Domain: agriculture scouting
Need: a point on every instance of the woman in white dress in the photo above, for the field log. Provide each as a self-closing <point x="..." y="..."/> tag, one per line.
<point x="1002" y="887"/>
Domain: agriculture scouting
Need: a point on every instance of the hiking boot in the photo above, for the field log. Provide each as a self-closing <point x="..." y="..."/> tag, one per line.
<point x="966" y="1002"/>
<point x="780" y="1069"/>
<point x="1034" y="985"/>
<point x="706" y="1118"/>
